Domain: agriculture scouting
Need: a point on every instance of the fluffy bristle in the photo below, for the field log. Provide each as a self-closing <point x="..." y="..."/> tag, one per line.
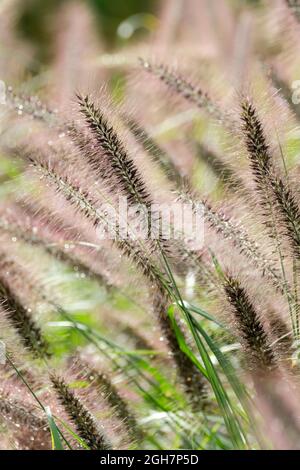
<point x="115" y="401"/>
<point x="272" y="188"/>
<point x="249" y="325"/>
<point x="21" y="320"/>
<point x="86" y="425"/>
<point x="257" y="146"/>
<point x="118" y="159"/>
<point x="183" y="87"/>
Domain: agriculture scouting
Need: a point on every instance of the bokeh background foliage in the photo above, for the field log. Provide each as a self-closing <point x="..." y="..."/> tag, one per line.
<point x="34" y="19"/>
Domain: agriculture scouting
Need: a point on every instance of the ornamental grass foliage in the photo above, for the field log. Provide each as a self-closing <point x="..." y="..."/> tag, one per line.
<point x="120" y="327"/>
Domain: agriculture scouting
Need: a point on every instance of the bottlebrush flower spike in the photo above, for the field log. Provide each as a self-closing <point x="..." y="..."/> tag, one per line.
<point x="259" y="352"/>
<point x="86" y="425"/>
<point x="19" y="317"/>
<point x="193" y="94"/>
<point x="115" y="400"/>
<point x="27" y="428"/>
<point x="270" y="186"/>
<point x="121" y="164"/>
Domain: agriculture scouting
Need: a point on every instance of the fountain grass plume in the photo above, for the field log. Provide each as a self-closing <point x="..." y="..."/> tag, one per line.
<point x="271" y="187"/>
<point x="118" y="160"/>
<point x="21" y="320"/>
<point x="259" y="352"/>
<point x="85" y="423"/>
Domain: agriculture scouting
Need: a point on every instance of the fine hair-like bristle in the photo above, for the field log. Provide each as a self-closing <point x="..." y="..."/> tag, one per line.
<point x="270" y="186"/>
<point x="27" y="429"/>
<point x="150" y="145"/>
<point x="289" y="211"/>
<point x="194" y="383"/>
<point x="120" y="162"/>
<point x="115" y="401"/>
<point x="193" y="94"/>
<point x="219" y="166"/>
<point x="150" y="228"/>
<point x="259" y="352"/>
<point x="283" y="337"/>
<point x="20" y="414"/>
<point x="240" y="238"/>
<point x="85" y="423"/>
<point x="53" y="248"/>
<point x="256" y="143"/>
<point x="31" y="106"/>
<point x="21" y="320"/>
<point x="283" y="86"/>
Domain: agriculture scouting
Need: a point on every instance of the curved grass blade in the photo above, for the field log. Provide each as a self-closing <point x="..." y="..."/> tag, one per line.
<point x="55" y="436"/>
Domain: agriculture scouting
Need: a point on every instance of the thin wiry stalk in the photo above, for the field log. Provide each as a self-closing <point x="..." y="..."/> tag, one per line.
<point x="86" y="425"/>
<point x="20" y="318"/>
<point x="259" y="352"/>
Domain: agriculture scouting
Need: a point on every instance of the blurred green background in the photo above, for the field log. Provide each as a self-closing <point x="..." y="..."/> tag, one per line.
<point x="35" y="20"/>
<point x="35" y="25"/>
